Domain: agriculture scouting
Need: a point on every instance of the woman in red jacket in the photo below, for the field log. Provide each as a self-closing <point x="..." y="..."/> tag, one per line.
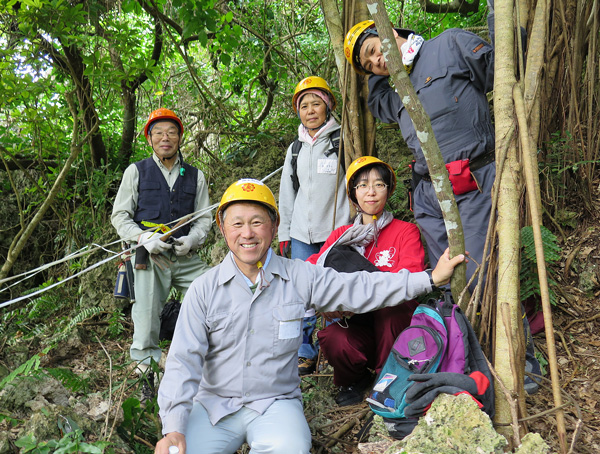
<point x="355" y="344"/>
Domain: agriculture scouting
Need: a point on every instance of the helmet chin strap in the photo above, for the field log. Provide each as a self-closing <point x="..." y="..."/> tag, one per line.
<point x="166" y="158"/>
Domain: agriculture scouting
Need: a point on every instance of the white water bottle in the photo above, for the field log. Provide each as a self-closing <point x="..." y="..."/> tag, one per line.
<point x="173" y="450"/>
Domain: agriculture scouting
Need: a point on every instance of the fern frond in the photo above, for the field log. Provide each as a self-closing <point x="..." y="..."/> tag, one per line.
<point x="68" y="378"/>
<point x="528" y="274"/>
<point x="83" y="315"/>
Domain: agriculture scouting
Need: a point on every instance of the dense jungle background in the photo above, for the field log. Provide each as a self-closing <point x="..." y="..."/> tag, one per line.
<point x="78" y="79"/>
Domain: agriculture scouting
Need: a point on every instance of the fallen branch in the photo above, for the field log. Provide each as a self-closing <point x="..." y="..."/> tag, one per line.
<point x="336" y="437"/>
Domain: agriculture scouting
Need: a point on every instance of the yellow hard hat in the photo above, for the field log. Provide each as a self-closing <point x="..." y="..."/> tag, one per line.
<point x="247" y="190"/>
<point x="351" y="50"/>
<point x="162" y="114"/>
<point x="362" y="162"/>
<point x="353" y="42"/>
<point x="312" y="82"/>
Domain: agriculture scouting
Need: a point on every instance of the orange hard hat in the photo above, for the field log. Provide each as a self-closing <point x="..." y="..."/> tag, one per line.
<point x="162" y="114"/>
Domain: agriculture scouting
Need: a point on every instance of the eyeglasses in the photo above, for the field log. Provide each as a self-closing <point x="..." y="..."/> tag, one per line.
<point x="170" y="134"/>
<point x="364" y="187"/>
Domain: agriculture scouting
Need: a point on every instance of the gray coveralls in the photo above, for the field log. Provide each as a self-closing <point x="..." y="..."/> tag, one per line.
<point x="451" y="74"/>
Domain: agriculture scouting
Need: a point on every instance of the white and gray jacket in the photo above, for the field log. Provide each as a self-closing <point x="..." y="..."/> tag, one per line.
<point x="307" y="215"/>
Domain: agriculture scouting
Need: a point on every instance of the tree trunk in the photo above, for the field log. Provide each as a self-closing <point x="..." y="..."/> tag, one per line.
<point x="20" y="240"/>
<point x="508" y="354"/>
<point x="358" y="125"/>
<point x="91" y="120"/>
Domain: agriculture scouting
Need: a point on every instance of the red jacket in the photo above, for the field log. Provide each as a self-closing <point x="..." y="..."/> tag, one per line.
<point x="398" y="246"/>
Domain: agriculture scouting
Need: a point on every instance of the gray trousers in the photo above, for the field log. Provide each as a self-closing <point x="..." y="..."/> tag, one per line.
<point x="152" y="287"/>
<point x="281" y="429"/>
<point x="474" y="208"/>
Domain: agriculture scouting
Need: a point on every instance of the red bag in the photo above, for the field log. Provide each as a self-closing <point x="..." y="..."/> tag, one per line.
<point x="460" y="176"/>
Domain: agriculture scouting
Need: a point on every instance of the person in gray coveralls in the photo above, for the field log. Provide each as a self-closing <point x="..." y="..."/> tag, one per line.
<point x="451" y="74"/>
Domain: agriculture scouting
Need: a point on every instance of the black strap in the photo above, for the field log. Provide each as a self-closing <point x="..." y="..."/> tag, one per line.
<point x="334" y="147"/>
<point x="296" y="147"/>
<point x="482" y="160"/>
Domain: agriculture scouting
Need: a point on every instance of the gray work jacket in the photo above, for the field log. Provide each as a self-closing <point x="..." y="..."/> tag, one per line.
<point x="452" y="74"/>
<point x="307" y="215"/>
<point x="235" y="348"/>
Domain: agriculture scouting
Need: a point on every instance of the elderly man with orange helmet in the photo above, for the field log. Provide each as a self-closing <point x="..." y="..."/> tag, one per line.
<point x="311" y="188"/>
<point x="231" y="375"/>
<point x="160" y="189"/>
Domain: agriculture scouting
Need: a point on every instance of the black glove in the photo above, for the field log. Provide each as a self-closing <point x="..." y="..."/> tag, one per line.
<point x="427" y="386"/>
<point x="420" y="406"/>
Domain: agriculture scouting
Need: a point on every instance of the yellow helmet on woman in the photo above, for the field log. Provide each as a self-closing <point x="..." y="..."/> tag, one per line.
<point x="247" y="190"/>
<point x="312" y="82"/>
<point x="362" y="162"/>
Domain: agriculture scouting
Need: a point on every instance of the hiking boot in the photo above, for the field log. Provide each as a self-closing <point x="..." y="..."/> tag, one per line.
<point x="148" y="391"/>
<point x="353" y="394"/>
<point x="532" y="365"/>
<point x="306" y="366"/>
<point x="323" y="365"/>
<point x="531" y="384"/>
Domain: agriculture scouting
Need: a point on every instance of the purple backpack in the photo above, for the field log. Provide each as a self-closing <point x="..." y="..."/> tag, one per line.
<point x="439" y="339"/>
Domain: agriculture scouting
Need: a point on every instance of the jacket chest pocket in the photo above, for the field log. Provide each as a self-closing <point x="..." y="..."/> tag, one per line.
<point x="434" y="90"/>
<point x="287" y="320"/>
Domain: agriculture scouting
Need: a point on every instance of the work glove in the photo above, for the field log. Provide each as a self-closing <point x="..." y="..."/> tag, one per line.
<point x="285" y="248"/>
<point x="152" y="242"/>
<point x="183" y="245"/>
<point x="427" y="387"/>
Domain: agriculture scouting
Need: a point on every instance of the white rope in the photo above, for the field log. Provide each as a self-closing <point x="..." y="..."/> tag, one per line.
<point x="87" y="250"/>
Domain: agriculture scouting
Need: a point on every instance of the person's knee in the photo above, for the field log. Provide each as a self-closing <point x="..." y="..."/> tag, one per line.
<point x="281" y="430"/>
<point x="282" y="444"/>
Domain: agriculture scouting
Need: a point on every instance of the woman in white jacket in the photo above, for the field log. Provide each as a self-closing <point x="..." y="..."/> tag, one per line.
<point x="307" y="193"/>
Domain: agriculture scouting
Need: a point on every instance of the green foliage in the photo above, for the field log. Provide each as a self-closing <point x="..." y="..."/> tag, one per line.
<point x="115" y="324"/>
<point x="247" y="148"/>
<point x="13" y="422"/>
<point x="29" y="366"/>
<point x="430" y="25"/>
<point x="90" y="199"/>
<point x="528" y="275"/>
<point x="72" y="442"/>
<point x="399" y="204"/>
<point x="543" y="362"/>
<point x="140" y="420"/>
<point x="46" y="304"/>
<point x="69" y="379"/>
<point x="81" y="316"/>
<point x="562" y="167"/>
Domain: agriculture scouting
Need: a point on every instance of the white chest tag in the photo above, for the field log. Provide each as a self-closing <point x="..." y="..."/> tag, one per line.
<point x="289" y="329"/>
<point x="327" y="166"/>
